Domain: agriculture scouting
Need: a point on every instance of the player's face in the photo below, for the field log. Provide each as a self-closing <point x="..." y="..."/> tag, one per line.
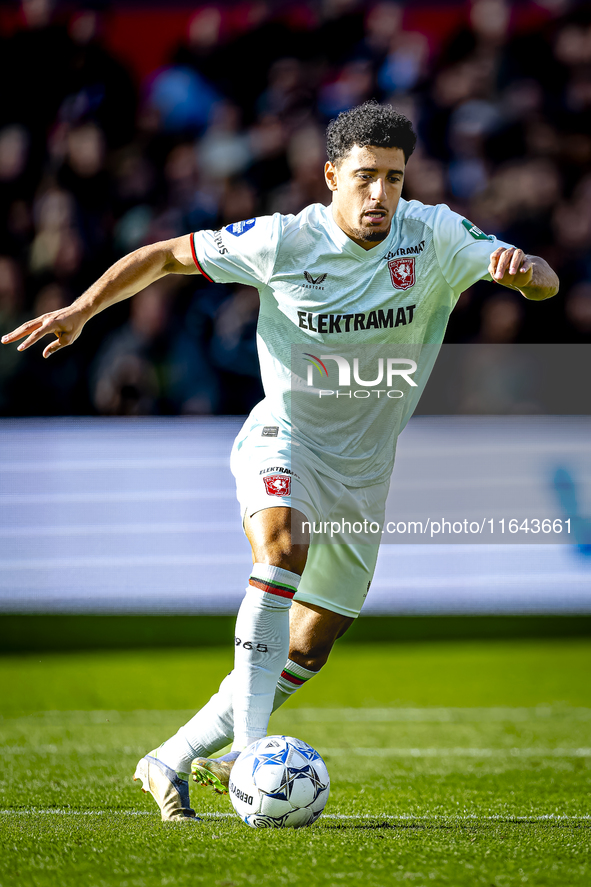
<point x="366" y="186"/>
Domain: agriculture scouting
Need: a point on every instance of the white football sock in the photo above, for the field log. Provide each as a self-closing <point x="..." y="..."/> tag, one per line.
<point x="213" y="726"/>
<point x="291" y="679"/>
<point x="208" y="731"/>
<point x="262" y="645"/>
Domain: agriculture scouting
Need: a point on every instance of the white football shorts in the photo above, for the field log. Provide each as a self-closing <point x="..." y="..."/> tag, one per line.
<point x="338" y="571"/>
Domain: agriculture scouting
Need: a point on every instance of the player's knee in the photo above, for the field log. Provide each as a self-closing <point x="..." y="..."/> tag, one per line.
<point x="312" y="659"/>
<point x="278" y="549"/>
<point x="283" y="553"/>
<point x="312" y="651"/>
<point x="270" y="535"/>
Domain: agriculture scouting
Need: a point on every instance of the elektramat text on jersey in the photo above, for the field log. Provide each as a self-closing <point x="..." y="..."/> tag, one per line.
<point x="347" y="323"/>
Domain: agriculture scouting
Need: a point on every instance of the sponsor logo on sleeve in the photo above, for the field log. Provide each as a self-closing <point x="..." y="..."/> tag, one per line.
<point x="217" y="239"/>
<point x="277" y="484"/>
<point x="238" y="228"/>
<point x="402" y="273"/>
<point x="476" y="233"/>
<point x="270" y="431"/>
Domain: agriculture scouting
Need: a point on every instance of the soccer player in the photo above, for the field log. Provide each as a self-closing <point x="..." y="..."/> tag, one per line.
<point x="370" y="269"/>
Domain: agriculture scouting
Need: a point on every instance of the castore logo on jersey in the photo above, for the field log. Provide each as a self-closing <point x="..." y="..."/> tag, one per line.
<point x="315" y="280"/>
<point x="314" y="283"/>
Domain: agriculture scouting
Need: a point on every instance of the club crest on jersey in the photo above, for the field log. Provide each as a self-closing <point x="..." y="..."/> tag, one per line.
<point x="277" y="485"/>
<point x="238" y="228"/>
<point x="402" y="273"/>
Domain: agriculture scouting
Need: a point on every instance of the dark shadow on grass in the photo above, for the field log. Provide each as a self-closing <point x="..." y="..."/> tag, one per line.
<point x="448" y="826"/>
<point x="377" y="826"/>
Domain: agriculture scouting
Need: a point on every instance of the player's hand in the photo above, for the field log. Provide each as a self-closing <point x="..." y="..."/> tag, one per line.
<point x="66" y="325"/>
<point x="510" y="267"/>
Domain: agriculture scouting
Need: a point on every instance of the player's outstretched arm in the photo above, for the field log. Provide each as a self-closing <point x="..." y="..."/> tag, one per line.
<point x="531" y="275"/>
<point x="125" y="278"/>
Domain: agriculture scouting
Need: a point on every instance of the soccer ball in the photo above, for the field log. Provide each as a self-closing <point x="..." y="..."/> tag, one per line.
<point x="279" y="782"/>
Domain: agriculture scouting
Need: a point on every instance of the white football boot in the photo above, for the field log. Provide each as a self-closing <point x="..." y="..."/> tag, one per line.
<point x="170" y="792"/>
<point x="214" y="772"/>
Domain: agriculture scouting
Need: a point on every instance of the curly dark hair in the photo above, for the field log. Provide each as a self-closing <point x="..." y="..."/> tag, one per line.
<point x="369" y="124"/>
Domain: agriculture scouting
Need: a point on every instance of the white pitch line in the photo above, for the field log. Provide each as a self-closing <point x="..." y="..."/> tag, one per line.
<point x="456" y="752"/>
<point x="390" y="817"/>
<point x="438" y="714"/>
<point x="441" y="817"/>
<point x="427" y="715"/>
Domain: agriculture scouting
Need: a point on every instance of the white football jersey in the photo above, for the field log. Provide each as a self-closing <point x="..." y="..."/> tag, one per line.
<point x="323" y="295"/>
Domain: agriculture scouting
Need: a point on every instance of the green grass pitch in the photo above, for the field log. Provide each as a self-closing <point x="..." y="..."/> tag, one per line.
<point x="451" y="763"/>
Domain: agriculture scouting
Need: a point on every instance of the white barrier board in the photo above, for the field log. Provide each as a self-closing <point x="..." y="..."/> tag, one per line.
<point x="139" y="515"/>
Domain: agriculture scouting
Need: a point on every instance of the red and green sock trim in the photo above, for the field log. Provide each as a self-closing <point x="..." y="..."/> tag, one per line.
<point x="273" y="587"/>
<point x="274" y="580"/>
<point x="294" y="679"/>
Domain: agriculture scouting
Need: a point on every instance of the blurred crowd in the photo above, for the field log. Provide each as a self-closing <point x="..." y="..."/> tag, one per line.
<point x="94" y="163"/>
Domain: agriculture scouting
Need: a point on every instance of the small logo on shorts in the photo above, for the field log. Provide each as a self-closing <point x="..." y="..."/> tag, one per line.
<point x="277" y="485"/>
<point x="270" y="431"/>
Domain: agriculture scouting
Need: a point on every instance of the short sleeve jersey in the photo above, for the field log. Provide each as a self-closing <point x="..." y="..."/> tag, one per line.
<point x="322" y="292"/>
